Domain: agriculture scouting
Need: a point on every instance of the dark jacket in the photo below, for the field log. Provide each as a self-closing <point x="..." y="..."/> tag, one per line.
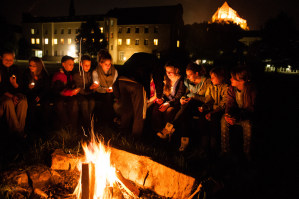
<point x="140" y="67"/>
<point x="41" y="88"/>
<point x="6" y="73"/>
<point x="179" y="90"/>
<point x="83" y="81"/>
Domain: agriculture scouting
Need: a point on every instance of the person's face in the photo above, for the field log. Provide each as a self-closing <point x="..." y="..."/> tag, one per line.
<point x="86" y="65"/>
<point x="7" y="60"/>
<point x="106" y="64"/>
<point x="236" y="82"/>
<point x="215" y="80"/>
<point x="191" y="75"/>
<point x="32" y="66"/>
<point x="170" y="72"/>
<point x="68" y="65"/>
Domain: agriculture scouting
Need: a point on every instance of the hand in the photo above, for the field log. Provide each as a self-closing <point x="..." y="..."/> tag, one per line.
<point x="109" y="90"/>
<point x="94" y="86"/>
<point x="15" y="100"/>
<point x="184" y="100"/>
<point x="208" y="116"/>
<point x="230" y="120"/>
<point x="159" y="101"/>
<point x="164" y="107"/>
<point x="200" y="109"/>
<point x="31" y="86"/>
<point x="75" y="91"/>
<point x="13" y="81"/>
<point x="37" y="99"/>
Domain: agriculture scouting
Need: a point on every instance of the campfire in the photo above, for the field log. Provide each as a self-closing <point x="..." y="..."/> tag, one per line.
<point x="97" y="175"/>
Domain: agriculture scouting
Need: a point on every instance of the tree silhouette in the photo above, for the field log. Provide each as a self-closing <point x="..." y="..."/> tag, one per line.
<point x="92" y="40"/>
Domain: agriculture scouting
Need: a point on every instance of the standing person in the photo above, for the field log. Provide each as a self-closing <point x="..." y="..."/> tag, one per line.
<point x="36" y="85"/>
<point x="163" y="114"/>
<point x="65" y="91"/>
<point x="213" y="109"/>
<point x="197" y="84"/>
<point x="104" y="77"/>
<point x="240" y="108"/>
<point x="13" y="104"/>
<point x="83" y="80"/>
<point x="134" y="90"/>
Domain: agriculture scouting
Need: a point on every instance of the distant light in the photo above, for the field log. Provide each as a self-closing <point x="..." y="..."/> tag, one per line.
<point x="268" y="65"/>
<point x="125" y="58"/>
<point x="72" y="51"/>
<point x="289" y="66"/>
<point x="204" y="61"/>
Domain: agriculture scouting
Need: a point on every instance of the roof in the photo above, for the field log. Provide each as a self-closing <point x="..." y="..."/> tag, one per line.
<point x="28" y="18"/>
<point x="147" y="15"/>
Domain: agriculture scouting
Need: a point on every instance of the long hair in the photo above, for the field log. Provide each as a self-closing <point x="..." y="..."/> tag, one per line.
<point x="249" y="93"/>
<point x="40" y="66"/>
<point x="167" y="81"/>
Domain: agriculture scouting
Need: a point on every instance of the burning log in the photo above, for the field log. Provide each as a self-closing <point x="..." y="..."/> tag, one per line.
<point x="88" y="182"/>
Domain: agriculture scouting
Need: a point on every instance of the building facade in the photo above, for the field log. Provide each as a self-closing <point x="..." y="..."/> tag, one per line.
<point x="154" y="30"/>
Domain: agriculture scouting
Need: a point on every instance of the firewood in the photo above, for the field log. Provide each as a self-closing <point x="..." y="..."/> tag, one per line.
<point x="132" y="189"/>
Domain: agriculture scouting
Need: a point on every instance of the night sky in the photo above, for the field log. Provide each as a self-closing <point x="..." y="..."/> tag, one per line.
<point x="256" y="12"/>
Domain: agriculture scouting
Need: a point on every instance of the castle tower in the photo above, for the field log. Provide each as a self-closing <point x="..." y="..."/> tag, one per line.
<point x="226" y="14"/>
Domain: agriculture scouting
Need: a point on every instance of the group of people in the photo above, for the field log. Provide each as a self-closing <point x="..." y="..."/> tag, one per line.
<point x="186" y="103"/>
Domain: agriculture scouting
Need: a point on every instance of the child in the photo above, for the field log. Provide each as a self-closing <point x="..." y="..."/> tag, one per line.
<point x="240" y="108"/>
<point x="104" y="77"/>
<point x="213" y="109"/>
<point x="36" y="87"/>
<point x="83" y="80"/>
<point x="197" y="84"/>
<point x="64" y="91"/>
<point x="13" y="102"/>
<point x="164" y="113"/>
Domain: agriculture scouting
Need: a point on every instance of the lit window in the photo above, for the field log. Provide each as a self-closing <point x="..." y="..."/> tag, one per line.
<point x="93" y="40"/>
<point x="55" y="41"/>
<point x="137" y="42"/>
<point x="62" y="41"/>
<point x="146" y="30"/>
<point x="37" y="40"/>
<point x="32" y="41"/>
<point x="178" y="43"/>
<point x="32" y="31"/>
<point x="62" y="31"/>
<point x="69" y="41"/>
<point x="101" y="29"/>
<point x="46" y="41"/>
<point x="128" y="41"/>
<point x="119" y="42"/>
<point x="136" y="30"/>
<point x="122" y="56"/>
<point x="156" y="42"/>
<point x="101" y="40"/>
<point x="146" y="42"/>
<point x="69" y="31"/>
<point x="111" y="22"/>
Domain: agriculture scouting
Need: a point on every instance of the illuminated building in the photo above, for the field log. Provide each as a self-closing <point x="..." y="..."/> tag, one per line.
<point x="227" y="14"/>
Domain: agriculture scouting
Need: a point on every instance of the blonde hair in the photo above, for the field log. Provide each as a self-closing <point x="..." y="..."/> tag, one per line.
<point x="167" y="81"/>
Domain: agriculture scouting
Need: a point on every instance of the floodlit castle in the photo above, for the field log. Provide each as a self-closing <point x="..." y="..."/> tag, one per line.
<point x="227" y="14"/>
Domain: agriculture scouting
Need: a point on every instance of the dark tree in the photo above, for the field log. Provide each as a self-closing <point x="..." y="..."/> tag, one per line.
<point x="215" y="41"/>
<point x="25" y="49"/>
<point x="280" y="41"/>
<point x="92" y="38"/>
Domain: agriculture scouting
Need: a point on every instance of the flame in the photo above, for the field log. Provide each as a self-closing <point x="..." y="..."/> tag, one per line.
<point x="105" y="174"/>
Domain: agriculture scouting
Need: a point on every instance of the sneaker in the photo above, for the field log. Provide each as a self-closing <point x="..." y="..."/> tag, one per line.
<point x="184" y="143"/>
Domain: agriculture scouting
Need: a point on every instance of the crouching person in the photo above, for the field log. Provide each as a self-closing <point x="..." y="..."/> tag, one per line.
<point x="65" y="101"/>
<point x="13" y="104"/>
<point x="240" y="107"/>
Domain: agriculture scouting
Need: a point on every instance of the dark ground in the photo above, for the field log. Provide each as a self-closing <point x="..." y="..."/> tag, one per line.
<point x="273" y="171"/>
